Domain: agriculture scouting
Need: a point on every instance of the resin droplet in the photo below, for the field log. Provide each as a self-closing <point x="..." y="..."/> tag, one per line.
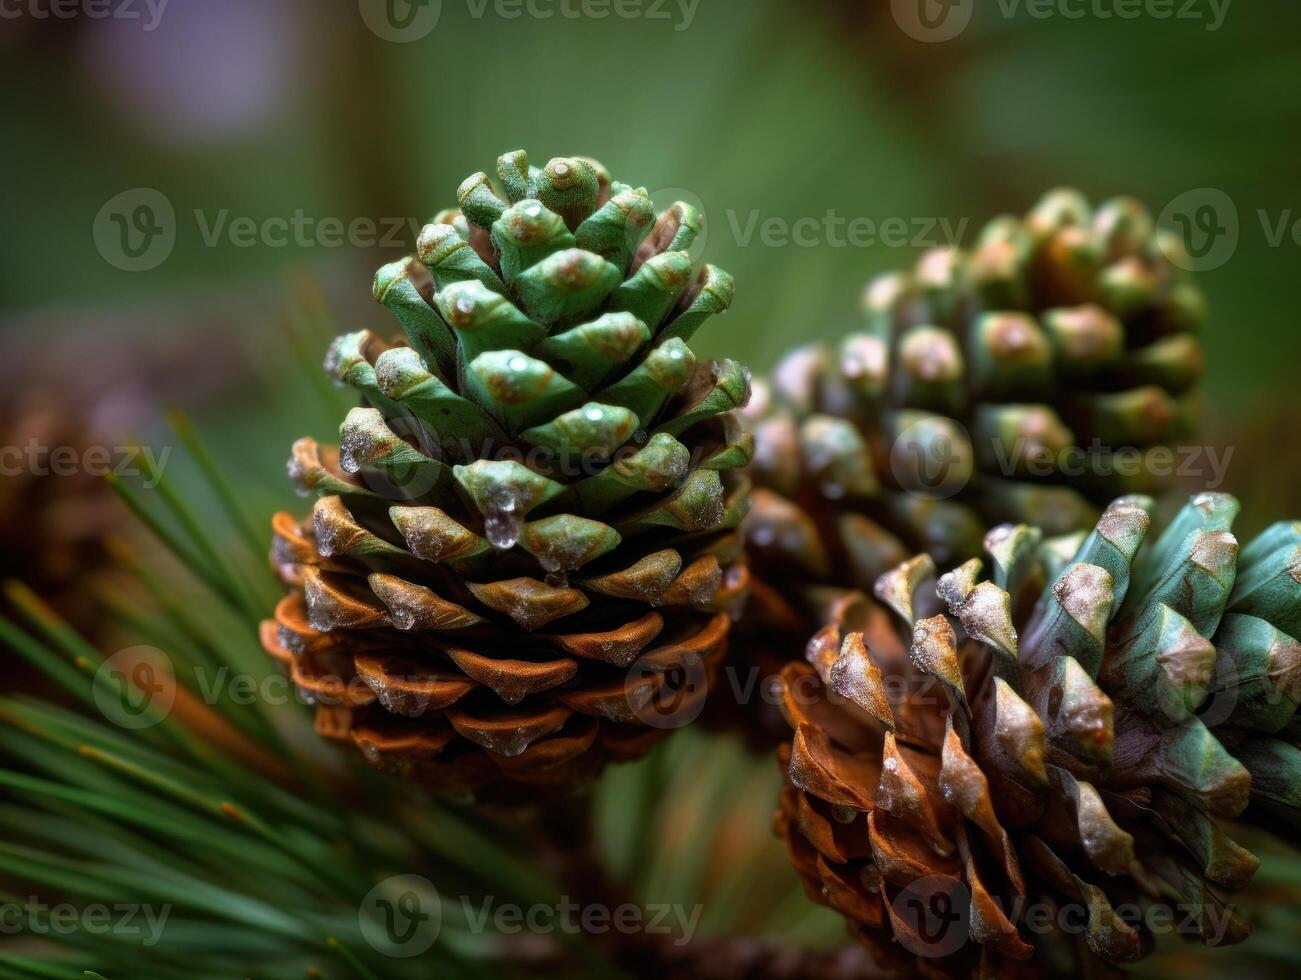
<point x="557" y="575"/>
<point x="844" y="814"/>
<point x="503" y="519"/>
<point x="353" y="450"/>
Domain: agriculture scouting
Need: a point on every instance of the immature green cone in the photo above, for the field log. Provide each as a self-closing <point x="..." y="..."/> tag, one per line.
<point x="527" y="539"/>
<point x="1031" y="379"/>
<point x="1069" y="729"/>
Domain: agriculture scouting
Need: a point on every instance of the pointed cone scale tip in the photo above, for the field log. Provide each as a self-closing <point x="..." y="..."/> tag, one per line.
<point x="897" y="587"/>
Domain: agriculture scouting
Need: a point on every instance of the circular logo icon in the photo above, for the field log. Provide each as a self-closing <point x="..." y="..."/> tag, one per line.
<point x="410" y="456"/>
<point x="1205" y="227"/>
<point x="667" y="694"/>
<point x="932" y="21"/>
<point x="135" y="231"/>
<point x="136" y="687"/>
<point x="668" y="197"/>
<point x="1221" y="698"/>
<point x="933" y="916"/>
<point x="932" y="458"/>
<point x="401" y="916"/>
<point x="401" y="21"/>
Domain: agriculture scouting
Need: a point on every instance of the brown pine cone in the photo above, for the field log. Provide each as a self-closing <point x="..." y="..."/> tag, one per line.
<point x="1030" y="774"/>
<point x="55" y="513"/>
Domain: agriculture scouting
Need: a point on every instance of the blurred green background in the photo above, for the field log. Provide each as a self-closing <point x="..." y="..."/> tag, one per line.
<point x="242" y="109"/>
<point x="248" y="116"/>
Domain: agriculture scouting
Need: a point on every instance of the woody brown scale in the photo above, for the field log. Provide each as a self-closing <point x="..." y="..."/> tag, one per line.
<point x="1070" y="732"/>
<point x="1031" y="379"/>
<point x="524" y="557"/>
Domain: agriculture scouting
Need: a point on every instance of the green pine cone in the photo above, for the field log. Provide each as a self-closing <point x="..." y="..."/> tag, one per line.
<point x="1072" y="729"/>
<point x="531" y="521"/>
<point x="1033" y="378"/>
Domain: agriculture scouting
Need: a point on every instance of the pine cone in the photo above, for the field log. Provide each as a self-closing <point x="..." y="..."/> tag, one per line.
<point x="526" y="545"/>
<point x="1059" y="337"/>
<point x="1071" y="733"/>
<point x="54" y="524"/>
<point x="983" y="382"/>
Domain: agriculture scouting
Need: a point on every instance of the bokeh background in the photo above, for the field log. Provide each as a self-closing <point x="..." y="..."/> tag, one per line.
<point x="181" y="184"/>
<point x="240" y="112"/>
